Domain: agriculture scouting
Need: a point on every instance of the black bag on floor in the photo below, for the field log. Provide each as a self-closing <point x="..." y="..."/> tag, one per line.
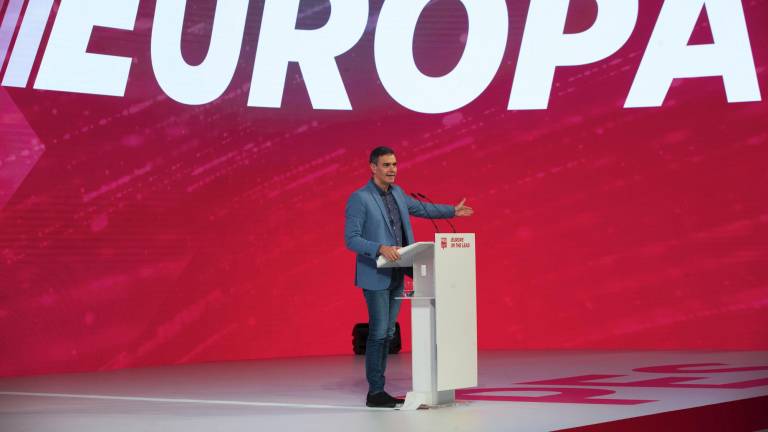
<point x="360" y="338"/>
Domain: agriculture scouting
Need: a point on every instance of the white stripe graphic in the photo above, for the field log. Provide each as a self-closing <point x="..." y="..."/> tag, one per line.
<point x="27" y="43"/>
<point x="8" y="27"/>
<point x="181" y="400"/>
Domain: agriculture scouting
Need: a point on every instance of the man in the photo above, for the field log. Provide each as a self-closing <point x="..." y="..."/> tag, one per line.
<point x="377" y="223"/>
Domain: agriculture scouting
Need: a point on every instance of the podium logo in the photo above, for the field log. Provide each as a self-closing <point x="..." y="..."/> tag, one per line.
<point x="443" y="243"/>
<point x="68" y="65"/>
<point x="460" y="243"/>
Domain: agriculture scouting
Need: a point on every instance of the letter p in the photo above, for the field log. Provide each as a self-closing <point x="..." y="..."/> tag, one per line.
<point x="545" y="46"/>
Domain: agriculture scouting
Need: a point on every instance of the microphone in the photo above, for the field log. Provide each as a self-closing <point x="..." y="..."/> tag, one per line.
<point x="435" y="205"/>
<point x="437" y="230"/>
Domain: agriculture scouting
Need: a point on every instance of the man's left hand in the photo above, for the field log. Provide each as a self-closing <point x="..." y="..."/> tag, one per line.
<point x="462" y="210"/>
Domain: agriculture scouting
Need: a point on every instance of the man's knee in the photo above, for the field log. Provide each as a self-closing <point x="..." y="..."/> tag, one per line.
<point x="377" y="333"/>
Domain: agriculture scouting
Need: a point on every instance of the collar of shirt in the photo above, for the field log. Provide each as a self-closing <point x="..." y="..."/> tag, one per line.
<point x="382" y="192"/>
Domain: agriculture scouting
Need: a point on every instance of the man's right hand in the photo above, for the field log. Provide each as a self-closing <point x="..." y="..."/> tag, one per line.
<point x="389" y="252"/>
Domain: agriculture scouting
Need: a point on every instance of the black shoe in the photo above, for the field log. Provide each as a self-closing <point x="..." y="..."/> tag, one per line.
<point x="380" y="400"/>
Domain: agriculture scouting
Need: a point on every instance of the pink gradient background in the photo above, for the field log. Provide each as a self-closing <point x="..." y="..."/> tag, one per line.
<point x="137" y="231"/>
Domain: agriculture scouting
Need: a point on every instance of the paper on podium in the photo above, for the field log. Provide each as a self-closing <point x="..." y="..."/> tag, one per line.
<point x="407" y="254"/>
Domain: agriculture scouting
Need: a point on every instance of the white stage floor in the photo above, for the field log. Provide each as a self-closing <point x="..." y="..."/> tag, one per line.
<point x="328" y="393"/>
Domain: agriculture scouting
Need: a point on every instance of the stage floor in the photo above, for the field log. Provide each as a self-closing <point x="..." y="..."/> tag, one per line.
<point x="518" y="391"/>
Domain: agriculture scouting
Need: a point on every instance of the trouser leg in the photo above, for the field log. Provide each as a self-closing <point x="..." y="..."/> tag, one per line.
<point x="378" y="318"/>
<point x="394" y="309"/>
<point x="384" y="355"/>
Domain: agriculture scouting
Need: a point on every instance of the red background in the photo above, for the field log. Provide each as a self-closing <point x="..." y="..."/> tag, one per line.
<point x="138" y="231"/>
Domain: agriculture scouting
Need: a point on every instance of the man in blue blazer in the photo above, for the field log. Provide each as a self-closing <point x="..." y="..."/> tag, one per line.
<point x="377" y="223"/>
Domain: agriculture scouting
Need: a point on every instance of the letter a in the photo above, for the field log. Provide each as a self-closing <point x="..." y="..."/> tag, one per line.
<point x="669" y="56"/>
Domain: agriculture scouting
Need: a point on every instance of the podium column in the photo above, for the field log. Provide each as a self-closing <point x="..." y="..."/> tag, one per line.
<point x="424" y="336"/>
<point x="444" y="321"/>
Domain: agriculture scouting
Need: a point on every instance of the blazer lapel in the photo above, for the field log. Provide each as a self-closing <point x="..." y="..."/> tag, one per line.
<point x="404" y="215"/>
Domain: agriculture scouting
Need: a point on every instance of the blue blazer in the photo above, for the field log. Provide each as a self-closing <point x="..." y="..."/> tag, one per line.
<point x="366" y="228"/>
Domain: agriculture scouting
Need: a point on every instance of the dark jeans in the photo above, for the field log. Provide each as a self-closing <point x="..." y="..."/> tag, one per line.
<point x="382" y="316"/>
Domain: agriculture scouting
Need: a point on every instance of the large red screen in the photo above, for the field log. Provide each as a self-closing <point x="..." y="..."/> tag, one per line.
<point x="139" y="230"/>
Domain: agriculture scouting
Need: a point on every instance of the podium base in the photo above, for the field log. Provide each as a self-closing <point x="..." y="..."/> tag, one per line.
<point x="414" y="401"/>
<point x="424" y="400"/>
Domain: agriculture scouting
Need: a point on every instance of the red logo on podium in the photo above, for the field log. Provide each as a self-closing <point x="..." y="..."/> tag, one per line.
<point x="443" y="243"/>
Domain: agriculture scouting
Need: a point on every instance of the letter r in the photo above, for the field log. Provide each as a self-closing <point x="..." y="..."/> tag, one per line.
<point x="315" y="51"/>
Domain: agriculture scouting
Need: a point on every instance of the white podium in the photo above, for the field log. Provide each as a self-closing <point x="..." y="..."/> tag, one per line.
<point x="444" y="317"/>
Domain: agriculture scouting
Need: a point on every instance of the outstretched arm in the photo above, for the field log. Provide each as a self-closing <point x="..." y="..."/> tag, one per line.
<point x="428" y="210"/>
<point x="437" y="211"/>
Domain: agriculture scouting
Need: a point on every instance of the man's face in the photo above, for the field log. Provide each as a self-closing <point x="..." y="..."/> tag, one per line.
<point x="385" y="169"/>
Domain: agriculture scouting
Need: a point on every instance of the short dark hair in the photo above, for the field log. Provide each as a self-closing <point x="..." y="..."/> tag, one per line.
<point x="379" y="151"/>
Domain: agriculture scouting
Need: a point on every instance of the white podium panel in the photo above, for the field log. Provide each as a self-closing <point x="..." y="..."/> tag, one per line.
<point x="455" y="311"/>
<point x="444" y="317"/>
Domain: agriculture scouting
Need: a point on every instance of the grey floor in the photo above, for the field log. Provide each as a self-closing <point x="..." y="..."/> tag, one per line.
<point x="327" y="393"/>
